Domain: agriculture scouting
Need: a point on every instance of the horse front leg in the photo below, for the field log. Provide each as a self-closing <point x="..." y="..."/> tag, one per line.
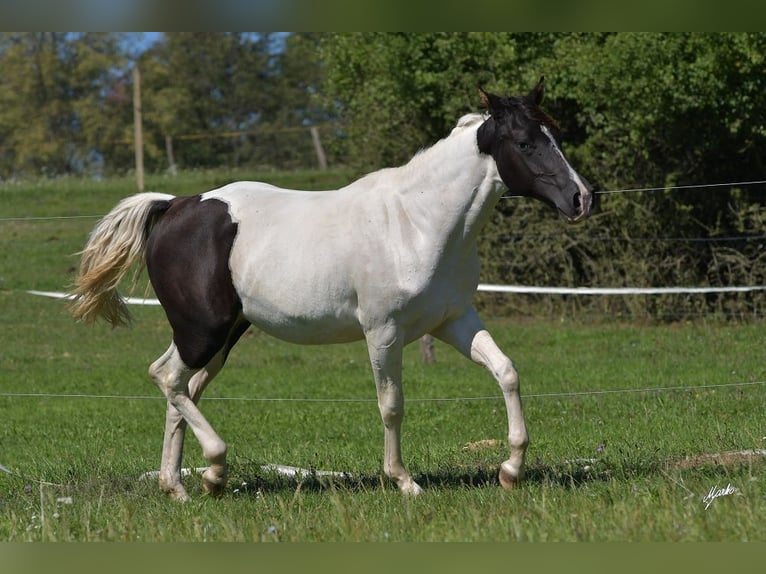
<point x="385" y="349"/>
<point x="468" y="335"/>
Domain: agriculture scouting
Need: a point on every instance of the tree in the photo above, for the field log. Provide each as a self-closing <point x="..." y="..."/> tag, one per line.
<point x="206" y="89"/>
<point x="53" y="84"/>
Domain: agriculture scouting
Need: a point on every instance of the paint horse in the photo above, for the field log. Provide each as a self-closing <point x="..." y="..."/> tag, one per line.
<point x="387" y="259"/>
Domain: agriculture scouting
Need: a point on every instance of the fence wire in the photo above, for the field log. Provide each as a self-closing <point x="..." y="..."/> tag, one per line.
<point x="338" y="400"/>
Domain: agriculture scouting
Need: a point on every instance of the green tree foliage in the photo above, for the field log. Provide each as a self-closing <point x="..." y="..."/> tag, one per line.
<point x="51" y="94"/>
<point x="670" y="110"/>
<point x="637" y="108"/>
<point x="221" y="99"/>
<point x="206" y="86"/>
<point x="230" y="98"/>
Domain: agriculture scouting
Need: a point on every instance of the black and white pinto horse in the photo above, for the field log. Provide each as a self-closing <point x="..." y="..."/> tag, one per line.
<point x="387" y="259"/>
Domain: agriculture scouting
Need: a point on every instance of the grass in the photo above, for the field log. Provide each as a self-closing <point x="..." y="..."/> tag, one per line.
<point x="601" y="467"/>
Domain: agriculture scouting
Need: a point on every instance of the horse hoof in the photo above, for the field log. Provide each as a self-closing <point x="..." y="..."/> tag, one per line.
<point x="510" y="478"/>
<point x="179" y="496"/>
<point x="213" y="484"/>
<point x="412" y="489"/>
<point x="177" y="493"/>
<point x="213" y="489"/>
<point x="174" y="490"/>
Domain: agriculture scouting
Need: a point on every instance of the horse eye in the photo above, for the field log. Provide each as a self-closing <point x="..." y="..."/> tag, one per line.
<point x="524" y="146"/>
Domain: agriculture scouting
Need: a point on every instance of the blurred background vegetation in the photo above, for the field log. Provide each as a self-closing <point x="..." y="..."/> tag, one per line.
<point x="637" y="110"/>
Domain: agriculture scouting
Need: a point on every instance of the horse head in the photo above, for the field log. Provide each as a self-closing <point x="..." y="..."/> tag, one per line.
<point x="525" y="144"/>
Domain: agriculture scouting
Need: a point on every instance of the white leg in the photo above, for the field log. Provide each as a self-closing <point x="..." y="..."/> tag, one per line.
<point x="182" y="388"/>
<point x="175" y="427"/>
<point x="172" y="452"/>
<point x="385" y="349"/>
<point x="468" y="336"/>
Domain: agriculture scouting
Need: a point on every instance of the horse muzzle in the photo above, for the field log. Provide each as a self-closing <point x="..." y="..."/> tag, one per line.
<point x="583" y="203"/>
<point x="582" y="200"/>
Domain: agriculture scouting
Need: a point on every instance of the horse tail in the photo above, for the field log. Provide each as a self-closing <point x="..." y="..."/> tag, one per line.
<point x="116" y="243"/>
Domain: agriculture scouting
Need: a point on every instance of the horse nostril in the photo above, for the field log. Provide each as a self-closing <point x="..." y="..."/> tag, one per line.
<point x="576" y="201"/>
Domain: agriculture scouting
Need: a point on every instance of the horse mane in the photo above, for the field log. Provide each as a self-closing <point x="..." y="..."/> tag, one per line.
<point x="469" y="120"/>
<point x="537" y="114"/>
<point x="463" y="123"/>
<point x="533" y="112"/>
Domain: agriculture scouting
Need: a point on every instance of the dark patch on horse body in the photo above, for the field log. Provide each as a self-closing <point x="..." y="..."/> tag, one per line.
<point x="187" y="257"/>
<point x="156" y="211"/>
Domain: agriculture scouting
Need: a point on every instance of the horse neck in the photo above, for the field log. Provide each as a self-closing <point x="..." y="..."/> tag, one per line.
<point x="452" y="185"/>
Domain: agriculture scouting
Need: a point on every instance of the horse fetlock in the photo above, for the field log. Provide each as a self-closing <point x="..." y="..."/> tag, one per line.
<point x="215" y="476"/>
<point x="174" y="489"/>
<point x="179" y="495"/>
<point x="403" y="481"/>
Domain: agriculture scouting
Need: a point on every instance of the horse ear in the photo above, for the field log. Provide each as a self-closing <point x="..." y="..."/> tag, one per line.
<point x="489" y="101"/>
<point x="538" y="92"/>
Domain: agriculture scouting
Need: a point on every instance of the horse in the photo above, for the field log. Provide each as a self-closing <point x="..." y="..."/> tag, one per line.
<point x="388" y="258"/>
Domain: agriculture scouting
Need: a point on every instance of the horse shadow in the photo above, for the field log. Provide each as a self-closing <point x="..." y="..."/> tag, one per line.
<point x="254" y="479"/>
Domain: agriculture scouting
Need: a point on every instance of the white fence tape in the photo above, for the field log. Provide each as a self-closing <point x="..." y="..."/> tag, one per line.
<point x="128" y="300"/>
<point x="518" y="289"/>
<point x="614" y="290"/>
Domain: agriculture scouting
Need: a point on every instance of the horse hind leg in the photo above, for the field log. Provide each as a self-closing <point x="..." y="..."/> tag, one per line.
<point x="172" y="446"/>
<point x="161" y="371"/>
<point x="172" y="376"/>
<point x="175" y="427"/>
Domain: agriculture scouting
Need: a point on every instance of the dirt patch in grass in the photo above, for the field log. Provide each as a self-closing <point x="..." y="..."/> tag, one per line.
<point x="721" y="459"/>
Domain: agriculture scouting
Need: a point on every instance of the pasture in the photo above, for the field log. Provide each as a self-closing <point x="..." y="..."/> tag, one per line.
<point x="621" y="418"/>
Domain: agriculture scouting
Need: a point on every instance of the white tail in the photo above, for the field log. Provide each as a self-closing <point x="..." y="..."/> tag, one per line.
<point x="116" y="243"/>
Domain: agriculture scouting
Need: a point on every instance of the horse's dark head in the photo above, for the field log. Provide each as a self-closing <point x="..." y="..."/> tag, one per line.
<point x="524" y="141"/>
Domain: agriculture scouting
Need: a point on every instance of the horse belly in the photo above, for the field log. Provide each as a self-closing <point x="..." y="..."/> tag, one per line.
<point x="297" y="304"/>
<point x="298" y="323"/>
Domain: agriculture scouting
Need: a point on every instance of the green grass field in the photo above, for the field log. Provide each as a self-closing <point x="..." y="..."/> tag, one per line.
<point x="627" y="465"/>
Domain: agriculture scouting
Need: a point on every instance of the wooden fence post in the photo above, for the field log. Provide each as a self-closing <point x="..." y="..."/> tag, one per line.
<point x="138" y="135"/>
<point x="171" y="156"/>
<point x="427" y="351"/>
<point x="321" y="158"/>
